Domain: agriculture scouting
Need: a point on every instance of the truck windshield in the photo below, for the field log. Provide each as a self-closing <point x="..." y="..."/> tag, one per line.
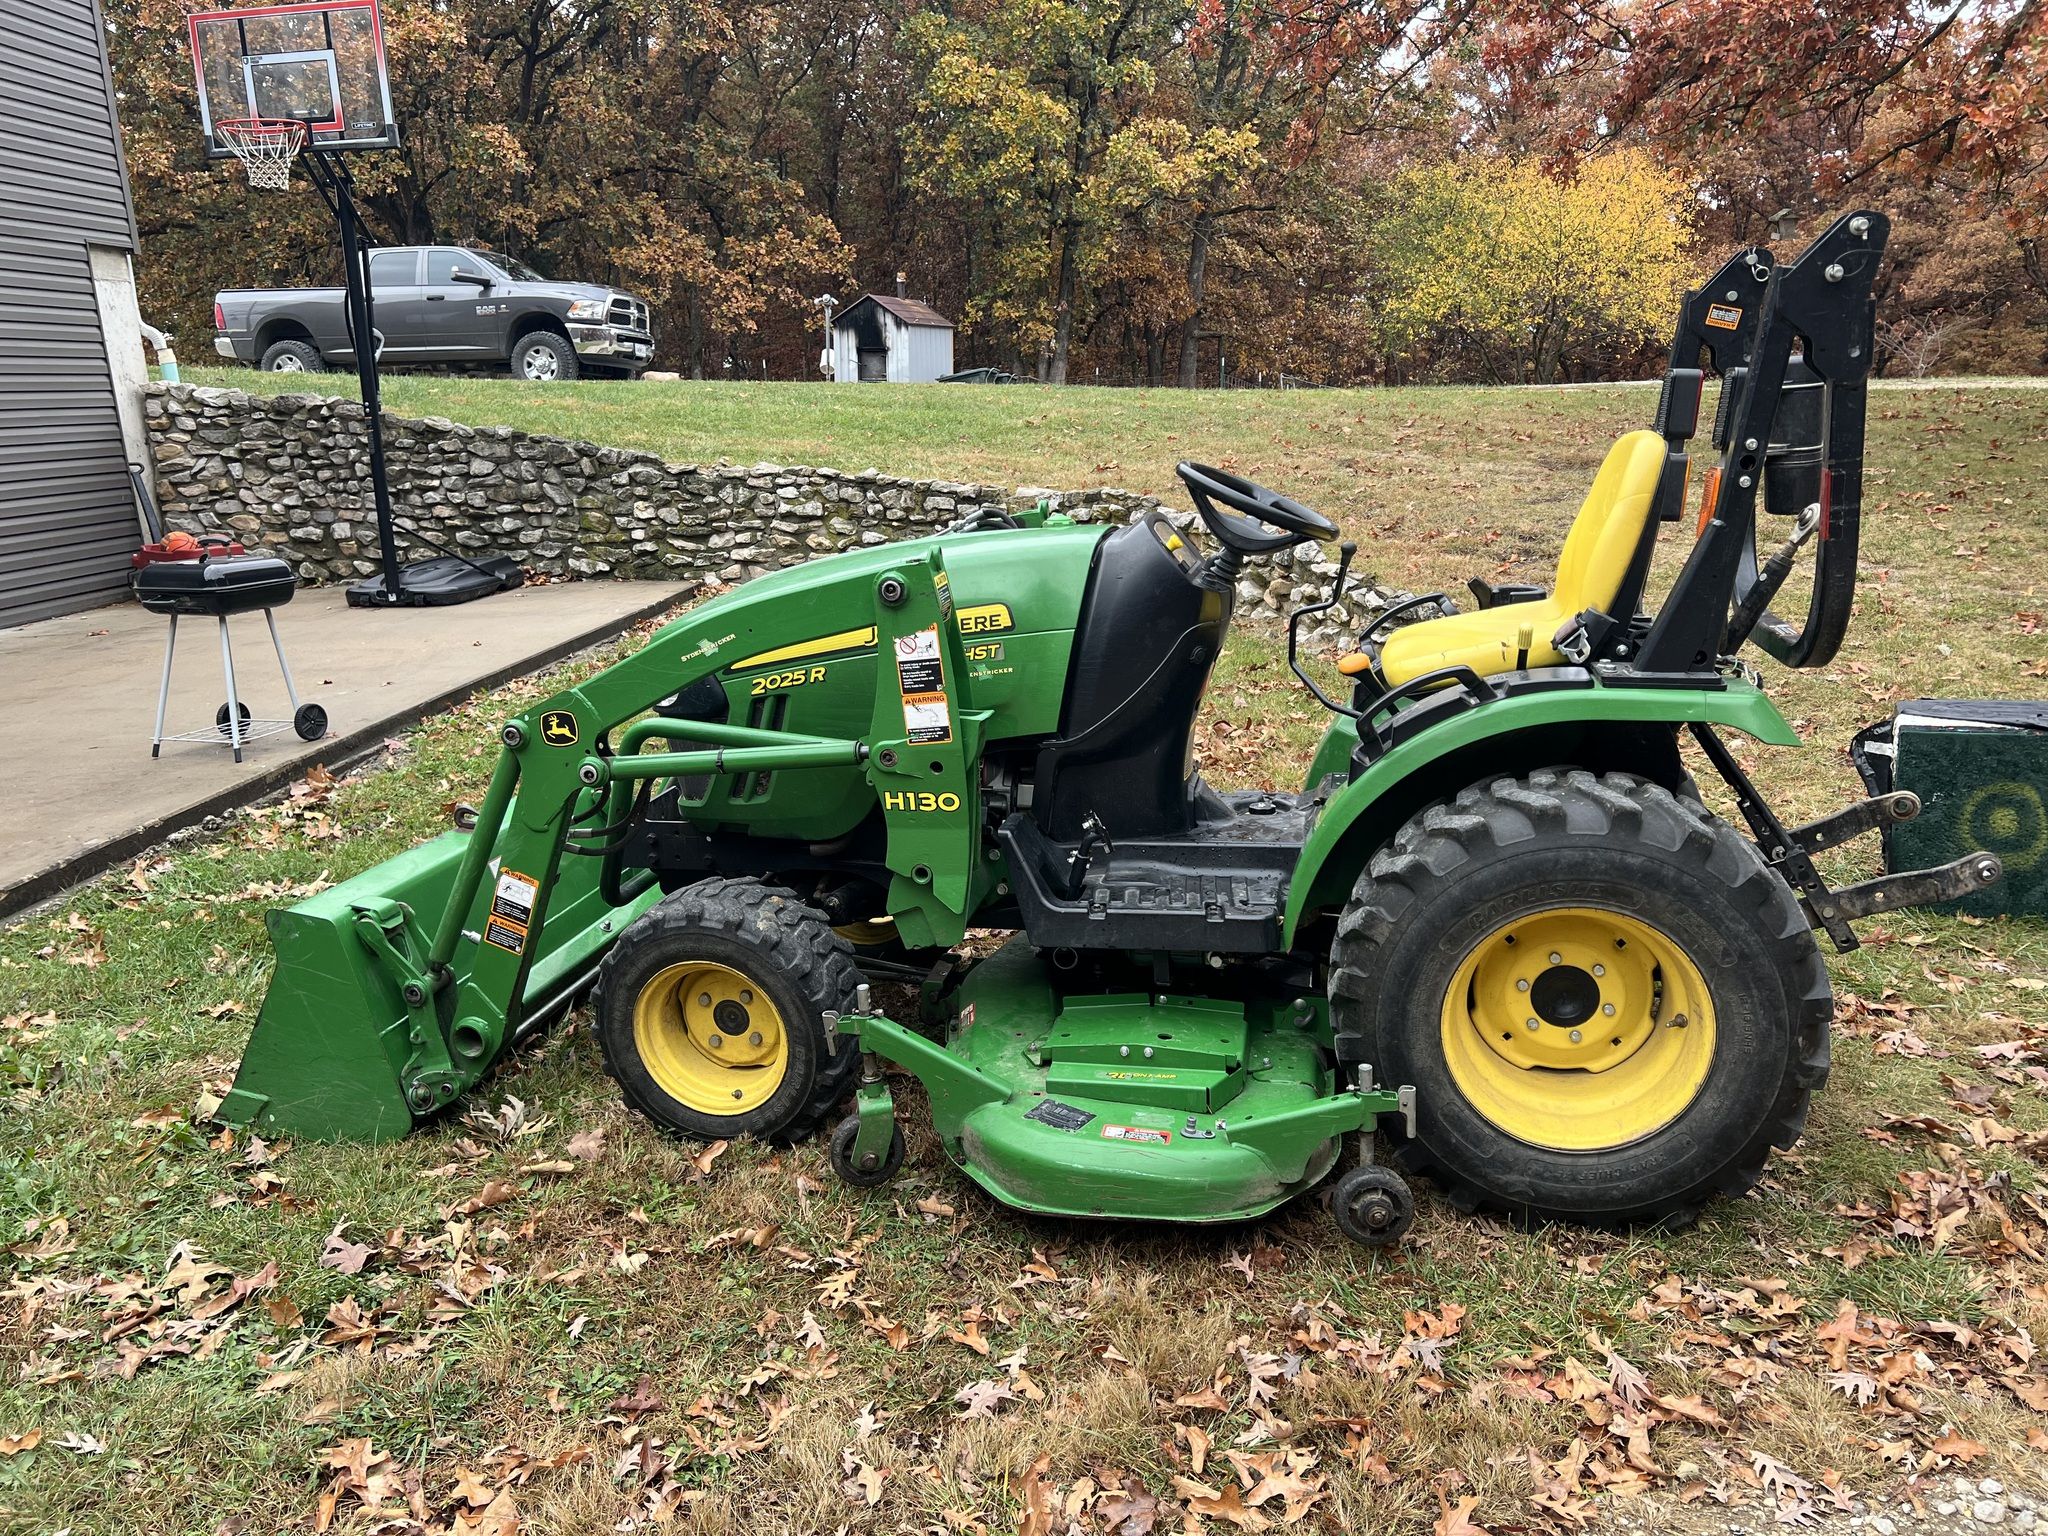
<point x="512" y="267"/>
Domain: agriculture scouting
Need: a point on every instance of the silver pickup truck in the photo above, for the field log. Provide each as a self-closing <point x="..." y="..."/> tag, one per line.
<point x="444" y="304"/>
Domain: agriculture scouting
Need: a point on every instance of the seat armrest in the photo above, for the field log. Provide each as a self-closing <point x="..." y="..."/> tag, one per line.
<point x="1487" y="595"/>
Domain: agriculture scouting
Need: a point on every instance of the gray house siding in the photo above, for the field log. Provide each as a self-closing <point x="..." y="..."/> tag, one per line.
<point x="67" y="520"/>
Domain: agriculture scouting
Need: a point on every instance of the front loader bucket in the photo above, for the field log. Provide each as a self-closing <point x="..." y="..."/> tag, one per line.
<point x="335" y="1042"/>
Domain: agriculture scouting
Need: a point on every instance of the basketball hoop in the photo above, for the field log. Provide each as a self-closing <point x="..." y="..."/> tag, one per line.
<point x="266" y="146"/>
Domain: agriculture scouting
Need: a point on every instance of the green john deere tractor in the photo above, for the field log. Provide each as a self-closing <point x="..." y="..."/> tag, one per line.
<point x="1495" y="923"/>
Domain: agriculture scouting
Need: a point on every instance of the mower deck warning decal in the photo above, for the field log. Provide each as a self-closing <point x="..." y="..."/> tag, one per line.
<point x="1143" y="1134"/>
<point x="510" y="937"/>
<point x="1061" y="1117"/>
<point x="514" y="898"/>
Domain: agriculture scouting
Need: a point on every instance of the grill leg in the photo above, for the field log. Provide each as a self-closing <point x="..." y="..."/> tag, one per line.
<point x="227" y="664"/>
<point x="270" y="618"/>
<point x="163" y="692"/>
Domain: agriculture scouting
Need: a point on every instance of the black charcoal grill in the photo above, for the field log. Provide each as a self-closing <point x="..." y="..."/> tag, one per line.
<point x="217" y="580"/>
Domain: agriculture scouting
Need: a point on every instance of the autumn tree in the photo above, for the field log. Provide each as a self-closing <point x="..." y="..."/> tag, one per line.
<point x="1496" y="264"/>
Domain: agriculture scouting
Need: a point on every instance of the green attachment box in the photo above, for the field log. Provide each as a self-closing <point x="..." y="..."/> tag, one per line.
<point x="1980" y="768"/>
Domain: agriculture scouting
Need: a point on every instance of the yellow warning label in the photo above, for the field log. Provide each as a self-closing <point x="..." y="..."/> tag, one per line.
<point x="926" y="720"/>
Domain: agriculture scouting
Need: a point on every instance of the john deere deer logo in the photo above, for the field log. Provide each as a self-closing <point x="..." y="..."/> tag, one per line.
<point x="558" y="728"/>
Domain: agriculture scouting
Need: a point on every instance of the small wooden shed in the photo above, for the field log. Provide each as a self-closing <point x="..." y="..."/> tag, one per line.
<point x="880" y="338"/>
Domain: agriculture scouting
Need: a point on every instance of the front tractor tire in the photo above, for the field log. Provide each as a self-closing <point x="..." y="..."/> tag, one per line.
<point x="710" y="1013"/>
<point x="1610" y="1007"/>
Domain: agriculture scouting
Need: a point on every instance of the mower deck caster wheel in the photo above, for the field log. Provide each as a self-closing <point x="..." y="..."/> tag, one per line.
<point x="310" y="722"/>
<point x="1373" y="1206"/>
<point x="865" y="1178"/>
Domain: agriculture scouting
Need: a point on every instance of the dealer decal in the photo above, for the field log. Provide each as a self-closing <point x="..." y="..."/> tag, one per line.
<point x="1144" y="1135"/>
<point x="1727" y="317"/>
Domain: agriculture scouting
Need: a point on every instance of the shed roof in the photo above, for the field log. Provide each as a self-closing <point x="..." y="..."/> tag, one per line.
<point x="909" y="311"/>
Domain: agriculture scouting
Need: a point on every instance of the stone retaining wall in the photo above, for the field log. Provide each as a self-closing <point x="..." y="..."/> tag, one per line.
<point x="288" y="472"/>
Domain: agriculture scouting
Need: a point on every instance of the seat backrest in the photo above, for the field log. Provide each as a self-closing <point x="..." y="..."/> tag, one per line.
<point x="1609" y="526"/>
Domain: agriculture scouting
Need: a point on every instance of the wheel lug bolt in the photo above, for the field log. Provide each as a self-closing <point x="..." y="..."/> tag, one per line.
<point x="1556" y="958"/>
<point x="754" y="1038"/>
<point x="1522" y="984"/>
<point x="1575" y="1037"/>
<point x="739" y="1093"/>
<point x="1599" y="970"/>
<point x="1534" y="1025"/>
<point x="746" y="996"/>
<point x="703" y="999"/>
<point x="717" y="1041"/>
<point x="1608" y="1009"/>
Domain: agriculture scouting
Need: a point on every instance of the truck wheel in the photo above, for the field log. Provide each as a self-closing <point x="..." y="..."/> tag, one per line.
<point x="710" y="1013"/>
<point x="543" y="357"/>
<point x="292" y="357"/>
<point x="1609" y="1006"/>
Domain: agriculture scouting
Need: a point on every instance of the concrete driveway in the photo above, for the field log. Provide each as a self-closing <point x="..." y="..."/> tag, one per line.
<point x="78" y="694"/>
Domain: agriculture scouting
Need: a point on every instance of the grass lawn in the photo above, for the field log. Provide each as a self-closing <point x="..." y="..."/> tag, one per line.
<point x="547" y="1313"/>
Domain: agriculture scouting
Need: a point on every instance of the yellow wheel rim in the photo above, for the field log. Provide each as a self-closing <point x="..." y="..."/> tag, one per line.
<point x="876" y="930"/>
<point x="1578" y="1029"/>
<point x="710" y="1038"/>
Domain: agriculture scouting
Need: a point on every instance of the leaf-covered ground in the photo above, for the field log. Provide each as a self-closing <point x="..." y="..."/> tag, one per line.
<point x="547" y="1317"/>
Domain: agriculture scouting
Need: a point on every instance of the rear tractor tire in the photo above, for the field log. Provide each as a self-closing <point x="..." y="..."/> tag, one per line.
<point x="1610" y="1007"/>
<point x="710" y="1013"/>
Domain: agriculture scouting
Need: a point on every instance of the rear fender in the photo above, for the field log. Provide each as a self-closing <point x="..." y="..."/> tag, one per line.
<point x="1602" y="728"/>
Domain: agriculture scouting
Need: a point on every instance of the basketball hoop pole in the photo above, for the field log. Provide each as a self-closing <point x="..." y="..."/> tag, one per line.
<point x="337" y="187"/>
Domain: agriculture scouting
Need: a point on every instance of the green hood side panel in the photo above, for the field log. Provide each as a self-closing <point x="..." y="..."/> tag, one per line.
<point x="1331" y="860"/>
<point x="1019" y="596"/>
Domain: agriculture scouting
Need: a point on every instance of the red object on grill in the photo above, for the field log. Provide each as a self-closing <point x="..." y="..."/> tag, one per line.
<point x="184" y="546"/>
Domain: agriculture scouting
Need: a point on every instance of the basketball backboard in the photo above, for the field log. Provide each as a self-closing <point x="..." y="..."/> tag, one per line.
<point x="320" y="63"/>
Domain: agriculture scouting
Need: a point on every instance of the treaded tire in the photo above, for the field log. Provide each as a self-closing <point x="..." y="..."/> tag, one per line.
<point x="292" y="357"/>
<point x="781" y="944"/>
<point x="564" y="366"/>
<point x="1503" y="850"/>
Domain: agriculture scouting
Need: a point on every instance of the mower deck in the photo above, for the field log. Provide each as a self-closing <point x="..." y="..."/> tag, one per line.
<point x="1149" y="1106"/>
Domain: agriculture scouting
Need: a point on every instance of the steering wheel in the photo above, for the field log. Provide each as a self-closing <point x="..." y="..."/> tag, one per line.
<point x="1299" y="524"/>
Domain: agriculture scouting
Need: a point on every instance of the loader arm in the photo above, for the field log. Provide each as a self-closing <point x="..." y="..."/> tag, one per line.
<point x="397" y="990"/>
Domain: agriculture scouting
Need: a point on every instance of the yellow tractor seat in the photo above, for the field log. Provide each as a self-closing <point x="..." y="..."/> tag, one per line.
<point x="1590" y="571"/>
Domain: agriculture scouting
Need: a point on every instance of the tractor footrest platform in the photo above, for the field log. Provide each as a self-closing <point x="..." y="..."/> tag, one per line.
<point x="1221" y="889"/>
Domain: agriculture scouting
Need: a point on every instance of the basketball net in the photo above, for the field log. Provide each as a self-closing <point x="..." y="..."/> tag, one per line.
<point x="266" y="146"/>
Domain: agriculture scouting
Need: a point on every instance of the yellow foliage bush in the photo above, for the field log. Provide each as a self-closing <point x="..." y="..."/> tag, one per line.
<point x="1497" y="267"/>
